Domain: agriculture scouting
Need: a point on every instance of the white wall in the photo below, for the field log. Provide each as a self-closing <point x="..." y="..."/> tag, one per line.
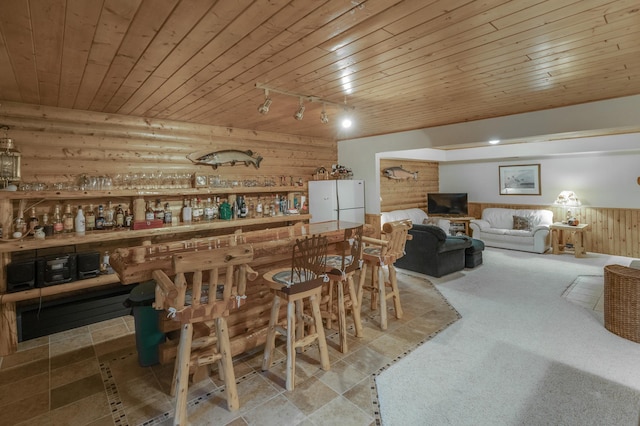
<point x="601" y="170"/>
<point x="599" y="180"/>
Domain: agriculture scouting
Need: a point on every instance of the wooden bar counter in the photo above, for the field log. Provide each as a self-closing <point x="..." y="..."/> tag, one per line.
<point x="272" y="248"/>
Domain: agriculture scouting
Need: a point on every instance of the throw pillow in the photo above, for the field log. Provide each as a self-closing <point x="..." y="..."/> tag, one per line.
<point x="521" y="223"/>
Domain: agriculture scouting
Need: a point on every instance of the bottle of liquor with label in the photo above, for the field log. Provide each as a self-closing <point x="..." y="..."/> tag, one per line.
<point x="259" y="208"/>
<point x="58" y="225"/>
<point x="67" y="220"/>
<point x="33" y="220"/>
<point x="100" y="218"/>
<point x="80" y="221"/>
<point x="148" y="212"/>
<point x="90" y="218"/>
<point x="186" y="212"/>
<point x="215" y="207"/>
<point x="158" y="211"/>
<point x="196" y="210"/>
<point x="119" y="216"/>
<point x="168" y="215"/>
<point x="208" y="210"/>
<point x="109" y="216"/>
<point x="128" y="218"/>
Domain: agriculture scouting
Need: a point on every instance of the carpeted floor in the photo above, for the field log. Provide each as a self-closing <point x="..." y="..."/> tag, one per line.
<point x="522" y="354"/>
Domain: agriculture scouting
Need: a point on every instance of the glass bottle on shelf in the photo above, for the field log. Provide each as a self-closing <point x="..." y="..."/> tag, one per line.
<point x="196" y="210"/>
<point x="79" y="222"/>
<point x="119" y="216"/>
<point x="148" y="212"/>
<point x="186" y="211"/>
<point x="158" y="211"/>
<point x="259" y="208"/>
<point x="90" y="218"/>
<point x="58" y="225"/>
<point x="109" y="216"/>
<point x="67" y="219"/>
<point x="128" y="218"/>
<point x="100" y="218"/>
<point x="168" y="215"/>
<point x="33" y="220"/>
<point x="48" y="227"/>
<point x="208" y="210"/>
<point x="19" y="226"/>
<point x="216" y="208"/>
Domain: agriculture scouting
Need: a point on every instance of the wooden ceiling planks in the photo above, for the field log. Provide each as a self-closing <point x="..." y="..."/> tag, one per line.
<point x="404" y="64"/>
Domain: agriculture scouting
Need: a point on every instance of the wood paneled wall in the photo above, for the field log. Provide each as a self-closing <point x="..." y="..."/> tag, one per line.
<point x="58" y="145"/>
<point x="613" y="231"/>
<point x="408" y="193"/>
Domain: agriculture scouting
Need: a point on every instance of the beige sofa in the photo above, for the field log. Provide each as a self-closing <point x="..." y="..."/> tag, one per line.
<point x="516" y="229"/>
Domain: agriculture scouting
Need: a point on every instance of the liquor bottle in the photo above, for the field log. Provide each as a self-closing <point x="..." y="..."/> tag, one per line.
<point x="67" y="219"/>
<point x="259" y="208"/>
<point x="48" y="227"/>
<point x="243" y="209"/>
<point x="168" y="215"/>
<point x="100" y="218"/>
<point x="58" y="225"/>
<point x="33" y="220"/>
<point x="80" y="221"/>
<point x="186" y="212"/>
<point x="119" y="216"/>
<point x="128" y="218"/>
<point x="109" y="216"/>
<point x="196" y="211"/>
<point x="90" y="218"/>
<point x="208" y="210"/>
<point x="148" y="212"/>
<point x="158" y="211"/>
<point x="215" y="208"/>
<point x="20" y="226"/>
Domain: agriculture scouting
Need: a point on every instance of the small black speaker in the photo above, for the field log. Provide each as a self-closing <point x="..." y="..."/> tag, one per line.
<point x="59" y="269"/>
<point x="88" y="265"/>
<point x="21" y="275"/>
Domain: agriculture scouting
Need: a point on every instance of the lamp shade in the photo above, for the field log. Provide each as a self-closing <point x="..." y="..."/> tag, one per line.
<point x="567" y="199"/>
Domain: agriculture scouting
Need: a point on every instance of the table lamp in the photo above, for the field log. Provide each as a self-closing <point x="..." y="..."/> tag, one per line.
<point x="567" y="199"/>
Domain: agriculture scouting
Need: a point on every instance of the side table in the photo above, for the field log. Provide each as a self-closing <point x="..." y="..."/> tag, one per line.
<point x="579" y="238"/>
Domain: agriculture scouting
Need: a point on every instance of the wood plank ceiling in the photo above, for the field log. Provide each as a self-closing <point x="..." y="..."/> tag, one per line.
<point x="403" y="64"/>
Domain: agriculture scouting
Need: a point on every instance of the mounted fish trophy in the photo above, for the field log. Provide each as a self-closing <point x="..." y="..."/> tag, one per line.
<point x="399" y="173"/>
<point x="228" y="156"/>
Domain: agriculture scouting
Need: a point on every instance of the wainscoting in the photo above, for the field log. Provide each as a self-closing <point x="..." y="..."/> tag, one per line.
<point x="613" y="231"/>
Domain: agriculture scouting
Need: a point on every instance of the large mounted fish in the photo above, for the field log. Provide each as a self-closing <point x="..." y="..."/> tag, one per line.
<point x="399" y="173"/>
<point x="228" y="156"/>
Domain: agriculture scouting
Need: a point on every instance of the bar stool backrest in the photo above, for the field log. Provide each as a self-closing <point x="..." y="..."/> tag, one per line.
<point x="395" y="233"/>
<point x="189" y="269"/>
<point x="350" y="248"/>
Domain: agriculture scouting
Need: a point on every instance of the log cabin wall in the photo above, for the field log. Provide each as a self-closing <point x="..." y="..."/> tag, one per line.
<point x="398" y="194"/>
<point x="613" y="231"/>
<point x="58" y="145"/>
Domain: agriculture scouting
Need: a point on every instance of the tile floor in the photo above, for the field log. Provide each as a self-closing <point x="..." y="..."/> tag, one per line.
<point x="91" y="375"/>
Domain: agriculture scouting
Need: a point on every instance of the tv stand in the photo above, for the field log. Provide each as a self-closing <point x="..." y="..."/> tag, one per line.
<point x="458" y="223"/>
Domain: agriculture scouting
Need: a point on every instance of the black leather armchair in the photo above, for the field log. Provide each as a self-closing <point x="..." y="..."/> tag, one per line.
<point x="432" y="252"/>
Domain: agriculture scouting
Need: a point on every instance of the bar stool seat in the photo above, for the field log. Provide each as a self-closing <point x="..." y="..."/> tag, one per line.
<point x="296" y="285"/>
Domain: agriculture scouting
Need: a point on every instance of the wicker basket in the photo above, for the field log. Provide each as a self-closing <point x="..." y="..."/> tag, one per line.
<point x="622" y="301"/>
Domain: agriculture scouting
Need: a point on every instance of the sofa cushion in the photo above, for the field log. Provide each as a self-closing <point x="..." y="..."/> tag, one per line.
<point x="521" y="223"/>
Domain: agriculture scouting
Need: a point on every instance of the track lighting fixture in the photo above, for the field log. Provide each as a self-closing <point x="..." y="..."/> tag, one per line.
<point x="264" y="107"/>
<point x="324" y="118"/>
<point x="300" y="112"/>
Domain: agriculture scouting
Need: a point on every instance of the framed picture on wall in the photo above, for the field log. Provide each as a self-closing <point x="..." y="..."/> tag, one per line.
<point x="523" y="179"/>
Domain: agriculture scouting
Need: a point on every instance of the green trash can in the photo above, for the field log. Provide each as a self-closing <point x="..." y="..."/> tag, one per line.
<point x="148" y="334"/>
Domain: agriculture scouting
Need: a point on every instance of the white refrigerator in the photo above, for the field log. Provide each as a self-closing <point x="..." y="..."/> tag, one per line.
<point x="336" y="200"/>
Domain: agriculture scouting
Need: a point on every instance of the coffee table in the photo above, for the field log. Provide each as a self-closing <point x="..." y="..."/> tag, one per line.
<point x="579" y="238"/>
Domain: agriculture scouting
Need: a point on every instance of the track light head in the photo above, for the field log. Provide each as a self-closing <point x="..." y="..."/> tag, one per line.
<point x="300" y="112"/>
<point x="264" y="107"/>
<point x="324" y="118"/>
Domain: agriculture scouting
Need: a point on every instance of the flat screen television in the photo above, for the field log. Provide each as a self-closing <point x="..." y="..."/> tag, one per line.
<point x="447" y="203"/>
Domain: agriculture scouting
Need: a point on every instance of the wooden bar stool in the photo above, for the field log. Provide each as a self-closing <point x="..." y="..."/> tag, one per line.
<point x="205" y="305"/>
<point x="340" y="268"/>
<point x="378" y="254"/>
<point x="303" y="281"/>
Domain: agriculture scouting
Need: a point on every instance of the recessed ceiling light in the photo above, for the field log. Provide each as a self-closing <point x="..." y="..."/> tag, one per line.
<point x="494" y="141"/>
